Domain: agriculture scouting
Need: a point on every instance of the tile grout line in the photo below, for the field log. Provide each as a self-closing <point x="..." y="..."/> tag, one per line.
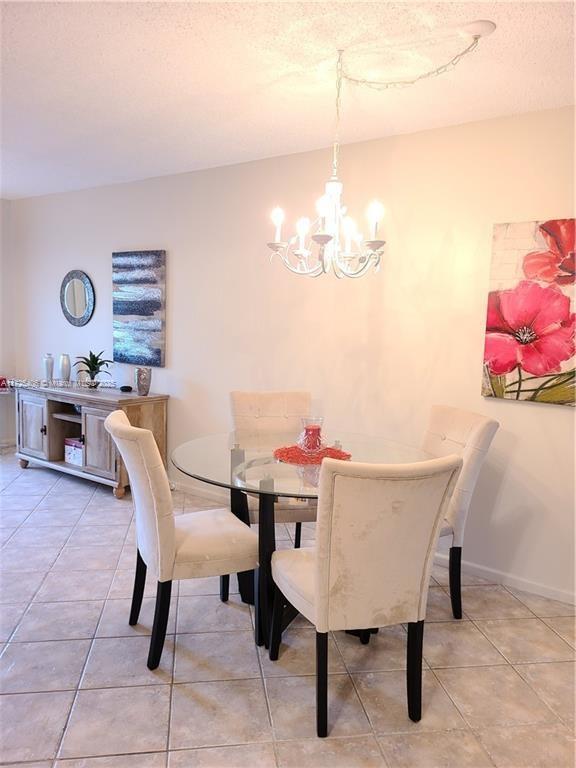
<point x="171" y="696"/>
<point x="543" y="618"/>
<point x="266" y="695"/>
<point x="510" y="661"/>
<point x="48" y="571"/>
<point x="81" y="676"/>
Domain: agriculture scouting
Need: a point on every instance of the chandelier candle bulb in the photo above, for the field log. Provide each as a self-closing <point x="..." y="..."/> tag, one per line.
<point x="277" y="217"/>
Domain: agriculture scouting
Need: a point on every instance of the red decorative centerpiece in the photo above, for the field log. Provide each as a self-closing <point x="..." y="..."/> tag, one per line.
<point x="310" y="449"/>
<point x="310" y="439"/>
<point x="293" y="454"/>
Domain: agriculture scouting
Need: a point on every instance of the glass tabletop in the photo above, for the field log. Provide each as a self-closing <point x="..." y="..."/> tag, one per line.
<point x="247" y="462"/>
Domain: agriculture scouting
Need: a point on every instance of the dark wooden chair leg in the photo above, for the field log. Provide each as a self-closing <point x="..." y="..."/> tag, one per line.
<point x="246" y="586"/>
<point x="138" y="591"/>
<point x="298" y="536"/>
<point x="322" y="683"/>
<point x="414" y="669"/>
<point x="258" y="631"/>
<point x="455" y="579"/>
<point x="239" y="507"/>
<point x="224" y="588"/>
<point x="161" y="612"/>
<point x="276" y="624"/>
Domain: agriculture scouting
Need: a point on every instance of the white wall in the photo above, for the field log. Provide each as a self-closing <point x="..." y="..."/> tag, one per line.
<point x="376" y="352"/>
<point x="7" y="362"/>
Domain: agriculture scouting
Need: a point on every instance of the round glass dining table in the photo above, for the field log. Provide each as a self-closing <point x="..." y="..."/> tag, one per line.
<point x="244" y="463"/>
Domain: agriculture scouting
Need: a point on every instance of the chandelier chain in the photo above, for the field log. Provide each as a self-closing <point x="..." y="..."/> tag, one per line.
<point x="382" y="85"/>
<point x="336" y="145"/>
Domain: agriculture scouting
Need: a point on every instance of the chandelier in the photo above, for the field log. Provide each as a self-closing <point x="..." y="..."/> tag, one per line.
<point x="331" y="242"/>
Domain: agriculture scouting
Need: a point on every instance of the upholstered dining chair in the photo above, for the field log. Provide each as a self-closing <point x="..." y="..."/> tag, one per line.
<point x="189" y="546"/>
<point x="452" y="430"/>
<point x="376" y="533"/>
<point x="271" y="418"/>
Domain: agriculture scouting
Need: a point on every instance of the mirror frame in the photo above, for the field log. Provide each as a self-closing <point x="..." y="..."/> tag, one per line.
<point x="76" y="274"/>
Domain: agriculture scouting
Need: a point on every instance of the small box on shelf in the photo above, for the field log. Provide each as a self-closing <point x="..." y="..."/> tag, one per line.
<point x="73" y="451"/>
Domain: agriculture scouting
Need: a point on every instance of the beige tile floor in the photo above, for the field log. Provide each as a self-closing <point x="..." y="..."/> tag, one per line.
<point x="76" y="693"/>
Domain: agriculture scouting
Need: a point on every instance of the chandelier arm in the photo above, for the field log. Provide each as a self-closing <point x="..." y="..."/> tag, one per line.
<point x="315" y="272"/>
<point x="383" y="84"/>
<point x="360" y="271"/>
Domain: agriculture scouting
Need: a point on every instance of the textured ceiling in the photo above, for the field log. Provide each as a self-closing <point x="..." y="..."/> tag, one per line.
<point x="98" y="93"/>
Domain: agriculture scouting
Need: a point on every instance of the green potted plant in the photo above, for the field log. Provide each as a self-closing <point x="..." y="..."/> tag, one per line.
<point x="93" y="365"/>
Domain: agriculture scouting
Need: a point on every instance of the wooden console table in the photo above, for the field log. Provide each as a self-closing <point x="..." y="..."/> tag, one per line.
<point x="45" y="416"/>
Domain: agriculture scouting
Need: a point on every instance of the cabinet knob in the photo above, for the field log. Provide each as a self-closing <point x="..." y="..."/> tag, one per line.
<point x="43" y="429"/>
<point x="81" y="439"/>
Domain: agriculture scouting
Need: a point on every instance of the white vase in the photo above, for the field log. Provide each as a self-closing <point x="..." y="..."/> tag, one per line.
<point x="65" y="367"/>
<point x="48" y="367"/>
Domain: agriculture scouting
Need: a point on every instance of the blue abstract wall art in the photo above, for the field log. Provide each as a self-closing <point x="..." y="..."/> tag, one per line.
<point x="138" y="296"/>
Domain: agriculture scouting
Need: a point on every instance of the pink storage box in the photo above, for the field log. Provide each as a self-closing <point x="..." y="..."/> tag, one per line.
<point x="73" y="451"/>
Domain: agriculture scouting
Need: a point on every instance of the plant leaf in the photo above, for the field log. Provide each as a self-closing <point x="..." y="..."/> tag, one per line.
<point x="498" y="384"/>
<point x="563" y="393"/>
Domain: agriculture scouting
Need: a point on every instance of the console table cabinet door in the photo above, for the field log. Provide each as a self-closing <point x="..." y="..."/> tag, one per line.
<point x="99" y="451"/>
<point x="33" y="420"/>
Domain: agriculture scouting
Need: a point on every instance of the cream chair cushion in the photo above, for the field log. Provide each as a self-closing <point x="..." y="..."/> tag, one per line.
<point x="151" y="493"/>
<point x="377" y="530"/>
<point x="193" y="545"/>
<point x="212" y="542"/>
<point x="469" y="435"/>
<point x="294" y="572"/>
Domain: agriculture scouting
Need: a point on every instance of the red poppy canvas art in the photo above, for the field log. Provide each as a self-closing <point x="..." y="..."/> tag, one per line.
<point x="529" y="351"/>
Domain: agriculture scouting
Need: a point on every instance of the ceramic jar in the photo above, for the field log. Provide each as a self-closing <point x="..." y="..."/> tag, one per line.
<point x="48" y="361"/>
<point x="65" y="367"/>
<point x="142" y="379"/>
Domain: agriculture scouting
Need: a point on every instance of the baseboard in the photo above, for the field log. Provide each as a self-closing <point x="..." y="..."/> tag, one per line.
<point x="502" y="577"/>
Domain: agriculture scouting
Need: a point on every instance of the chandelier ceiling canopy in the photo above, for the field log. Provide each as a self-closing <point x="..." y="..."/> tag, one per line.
<point x="331" y="241"/>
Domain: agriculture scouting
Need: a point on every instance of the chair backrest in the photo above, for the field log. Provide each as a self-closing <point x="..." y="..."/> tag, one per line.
<point x="376" y="535"/>
<point x="452" y="430"/>
<point x="268" y="416"/>
<point x="151" y="493"/>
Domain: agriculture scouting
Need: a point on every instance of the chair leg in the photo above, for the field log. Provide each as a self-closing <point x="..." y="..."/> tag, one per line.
<point x="224" y="588"/>
<point x="365" y="635"/>
<point x="276" y="627"/>
<point x="298" y="536"/>
<point x="455" y="579"/>
<point x="258" y="632"/>
<point x="414" y="669"/>
<point x="322" y="683"/>
<point x="161" y="612"/>
<point x="138" y="591"/>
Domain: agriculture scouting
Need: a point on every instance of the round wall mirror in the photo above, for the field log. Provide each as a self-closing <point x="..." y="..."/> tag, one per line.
<point x="77" y="297"/>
